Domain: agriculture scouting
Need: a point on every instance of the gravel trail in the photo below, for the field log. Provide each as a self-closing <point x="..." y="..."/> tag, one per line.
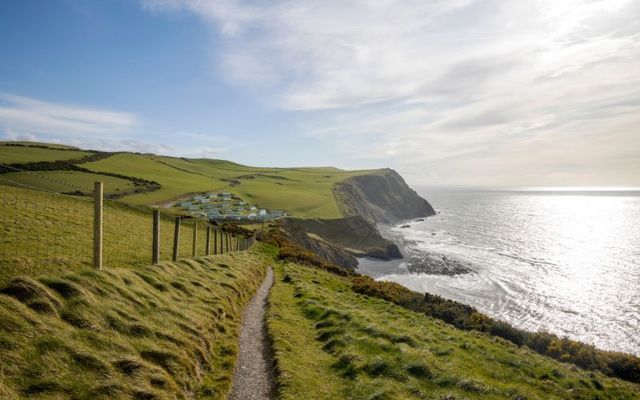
<point x="253" y="375"/>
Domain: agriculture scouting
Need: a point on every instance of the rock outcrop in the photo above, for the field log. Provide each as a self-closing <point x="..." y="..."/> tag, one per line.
<point x="380" y="197"/>
<point x="365" y="200"/>
<point x="340" y="239"/>
<point x="298" y="232"/>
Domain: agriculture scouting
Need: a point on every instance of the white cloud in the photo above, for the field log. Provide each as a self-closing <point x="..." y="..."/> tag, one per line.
<point x="456" y="91"/>
<point x="26" y="116"/>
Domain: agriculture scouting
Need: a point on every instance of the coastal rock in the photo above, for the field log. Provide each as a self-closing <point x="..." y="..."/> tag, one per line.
<point x="317" y="245"/>
<point x="381" y="197"/>
<point x="437" y="264"/>
<point x="353" y="235"/>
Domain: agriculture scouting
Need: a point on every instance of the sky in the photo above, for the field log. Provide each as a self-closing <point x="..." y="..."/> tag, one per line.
<point x="447" y="92"/>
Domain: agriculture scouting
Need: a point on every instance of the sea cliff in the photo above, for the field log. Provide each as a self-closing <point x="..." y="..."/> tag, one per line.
<point x="382" y="197"/>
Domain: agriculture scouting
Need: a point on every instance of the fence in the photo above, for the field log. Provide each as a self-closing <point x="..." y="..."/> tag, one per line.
<point x="44" y="229"/>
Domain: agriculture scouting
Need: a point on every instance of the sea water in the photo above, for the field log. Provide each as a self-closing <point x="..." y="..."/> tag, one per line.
<point x="563" y="261"/>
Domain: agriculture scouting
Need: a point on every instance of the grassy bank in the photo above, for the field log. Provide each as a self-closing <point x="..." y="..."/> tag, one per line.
<point x="158" y="332"/>
<point x="331" y="342"/>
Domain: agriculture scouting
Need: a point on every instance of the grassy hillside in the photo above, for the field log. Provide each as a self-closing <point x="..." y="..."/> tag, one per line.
<point x="25" y="154"/>
<point x="58" y="181"/>
<point x="160" y="332"/>
<point x="303" y="192"/>
<point x="300" y="191"/>
<point x="331" y="342"/>
<point x="44" y="233"/>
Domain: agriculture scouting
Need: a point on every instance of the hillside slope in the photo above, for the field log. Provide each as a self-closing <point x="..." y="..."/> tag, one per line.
<point x="160" y="332"/>
<point x="148" y="179"/>
<point x="332" y="343"/>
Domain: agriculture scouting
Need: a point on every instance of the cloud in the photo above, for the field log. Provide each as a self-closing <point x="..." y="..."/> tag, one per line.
<point x="458" y="91"/>
<point x="23" y="116"/>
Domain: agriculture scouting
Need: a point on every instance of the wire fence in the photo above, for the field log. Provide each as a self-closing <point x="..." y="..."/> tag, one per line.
<point x="44" y="229"/>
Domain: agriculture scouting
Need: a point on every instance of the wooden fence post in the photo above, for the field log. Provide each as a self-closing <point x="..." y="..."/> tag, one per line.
<point x="215" y="241"/>
<point x="194" y="250"/>
<point x="176" y="240"/>
<point x="97" y="225"/>
<point x="155" y="241"/>
<point x="207" y="245"/>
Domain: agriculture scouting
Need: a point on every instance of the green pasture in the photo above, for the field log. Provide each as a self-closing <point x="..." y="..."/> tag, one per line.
<point x="51" y="233"/>
<point x="39" y="144"/>
<point x="22" y="155"/>
<point x="303" y="192"/>
<point x="68" y="181"/>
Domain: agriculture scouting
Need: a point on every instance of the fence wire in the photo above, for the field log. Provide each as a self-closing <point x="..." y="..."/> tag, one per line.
<point x="44" y="230"/>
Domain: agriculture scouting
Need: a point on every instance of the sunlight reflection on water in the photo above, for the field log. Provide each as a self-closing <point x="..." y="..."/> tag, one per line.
<point x="563" y="261"/>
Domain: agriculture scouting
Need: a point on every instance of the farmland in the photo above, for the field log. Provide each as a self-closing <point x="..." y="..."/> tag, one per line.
<point x="20" y="154"/>
<point x="302" y="192"/>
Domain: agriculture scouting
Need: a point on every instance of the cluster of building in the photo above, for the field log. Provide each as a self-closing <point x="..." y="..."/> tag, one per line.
<point x="226" y="206"/>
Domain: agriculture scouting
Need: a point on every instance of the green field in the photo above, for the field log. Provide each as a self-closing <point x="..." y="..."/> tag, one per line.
<point x="38" y="144"/>
<point x="302" y="192"/>
<point x="69" y="181"/>
<point x="45" y="233"/>
<point x="159" y="332"/>
<point x="21" y="155"/>
<point x="332" y="343"/>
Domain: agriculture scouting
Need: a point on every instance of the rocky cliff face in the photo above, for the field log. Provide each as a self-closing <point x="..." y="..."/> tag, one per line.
<point x="380" y="198"/>
<point x="299" y="233"/>
<point x="366" y="200"/>
<point x="353" y="235"/>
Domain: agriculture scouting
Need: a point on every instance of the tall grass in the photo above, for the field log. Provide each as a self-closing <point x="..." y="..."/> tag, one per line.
<point x="158" y="332"/>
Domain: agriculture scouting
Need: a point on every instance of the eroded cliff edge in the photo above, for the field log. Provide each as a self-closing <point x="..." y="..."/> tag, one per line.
<point x="365" y="200"/>
<point x="380" y="197"/>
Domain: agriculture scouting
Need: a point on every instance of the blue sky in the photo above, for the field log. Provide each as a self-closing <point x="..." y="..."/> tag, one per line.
<point x="476" y="92"/>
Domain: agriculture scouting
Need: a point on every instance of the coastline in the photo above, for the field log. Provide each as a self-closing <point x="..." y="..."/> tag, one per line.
<point x="521" y="288"/>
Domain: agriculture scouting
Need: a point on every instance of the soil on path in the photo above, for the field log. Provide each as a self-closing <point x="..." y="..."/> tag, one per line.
<point x="253" y="374"/>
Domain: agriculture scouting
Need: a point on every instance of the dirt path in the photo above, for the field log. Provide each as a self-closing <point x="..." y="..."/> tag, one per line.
<point x="253" y="375"/>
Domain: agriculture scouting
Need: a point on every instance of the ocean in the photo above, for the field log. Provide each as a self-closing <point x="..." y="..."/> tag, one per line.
<point x="563" y="261"/>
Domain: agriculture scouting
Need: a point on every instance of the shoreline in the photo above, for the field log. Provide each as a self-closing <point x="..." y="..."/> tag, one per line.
<point x="494" y="296"/>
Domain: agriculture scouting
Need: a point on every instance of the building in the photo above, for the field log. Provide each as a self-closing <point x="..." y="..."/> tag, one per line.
<point x="276" y="214"/>
<point x="214" y="214"/>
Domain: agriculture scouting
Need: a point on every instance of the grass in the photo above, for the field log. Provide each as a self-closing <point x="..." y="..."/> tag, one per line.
<point x="304" y="192"/>
<point x="158" y="332"/>
<point x="21" y="155"/>
<point x="36" y="144"/>
<point x="44" y="233"/>
<point x="331" y="342"/>
<point x="70" y="181"/>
